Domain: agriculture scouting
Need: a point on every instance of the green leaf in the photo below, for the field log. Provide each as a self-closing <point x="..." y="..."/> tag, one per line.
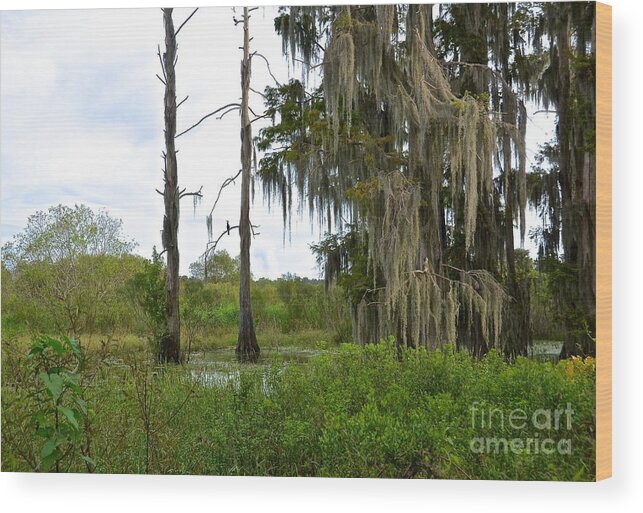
<point x="50" y="446"/>
<point x="73" y="345"/>
<point x="88" y="460"/>
<point x="48" y="462"/>
<point x="54" y="344"/>
<point x="54" y="384"/>
<point x="70" y="415"/>
<point x="82" y="405"/>
<point x="71" y="379"/>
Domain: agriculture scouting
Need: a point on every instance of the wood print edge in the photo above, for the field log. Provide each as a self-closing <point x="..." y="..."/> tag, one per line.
<point x="603" y="241"/>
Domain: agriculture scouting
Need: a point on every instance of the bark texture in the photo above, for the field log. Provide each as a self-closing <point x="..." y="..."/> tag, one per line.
<point x="247" y="349"/>
<point x="170" y="344"/>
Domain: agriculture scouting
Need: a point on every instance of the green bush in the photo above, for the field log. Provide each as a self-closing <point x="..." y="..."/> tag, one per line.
<point x="373" y="411"/>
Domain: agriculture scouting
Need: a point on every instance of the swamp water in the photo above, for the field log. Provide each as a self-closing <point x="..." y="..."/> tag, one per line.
<point x="219" y="367"/>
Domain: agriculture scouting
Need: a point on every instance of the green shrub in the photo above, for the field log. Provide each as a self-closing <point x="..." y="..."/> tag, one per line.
<point x="373" y="411"/>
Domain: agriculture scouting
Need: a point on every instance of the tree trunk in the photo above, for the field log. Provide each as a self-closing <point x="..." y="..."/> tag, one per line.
<point x="247" y="349"/>
<point x="518" y="333"/>
<point x="576" y="118"/>
<point x="170" y="344"/>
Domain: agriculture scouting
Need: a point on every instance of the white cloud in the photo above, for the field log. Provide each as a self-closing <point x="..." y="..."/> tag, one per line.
<point x="81" y="121"/>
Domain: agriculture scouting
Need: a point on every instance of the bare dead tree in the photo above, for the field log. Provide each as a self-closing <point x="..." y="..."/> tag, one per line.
<point x="247" y="349"/>
<point x="169" y="350"/>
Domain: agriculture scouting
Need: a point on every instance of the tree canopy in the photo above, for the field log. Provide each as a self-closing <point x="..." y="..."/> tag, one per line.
<point x="409" y="146"/>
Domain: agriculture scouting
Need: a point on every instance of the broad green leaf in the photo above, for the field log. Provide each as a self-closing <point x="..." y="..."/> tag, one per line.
<point x="48" y="462"/>
<point x="54" y="384"/>
<point x="71" y="378"/>
<point x="50" y="446"/>
<point x="70" y="415"/>
<point x="55" y="345"/>
<point x="73" y="345"/>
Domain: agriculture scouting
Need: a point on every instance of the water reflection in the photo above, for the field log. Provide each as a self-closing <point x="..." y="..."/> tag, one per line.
<point x="219" y="368"/>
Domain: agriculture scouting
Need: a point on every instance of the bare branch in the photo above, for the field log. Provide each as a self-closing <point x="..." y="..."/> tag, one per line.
<point x="182" y="101"/>
<point x="543" y="112"/>
<point x="159" y="192"/>
<point x="258" y="92"/>
<point x="227" y="111"/>
<point x="161" y="61"/>
<point x="304" y="62"/>
<point x="162" y="81"/>
<point x="268" y="66"/>
<point x="213" y="244"/>
<point x="186" y="20"/>
<point x="206" y="117"/>
<point x="252" y="111"/>
<point x="198" y="193"/>
<point x="263" y="116"/>
<point x="225" y="183"/>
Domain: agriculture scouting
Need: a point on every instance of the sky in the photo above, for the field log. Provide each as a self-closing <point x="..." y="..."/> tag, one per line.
<point x="81" y="121"/>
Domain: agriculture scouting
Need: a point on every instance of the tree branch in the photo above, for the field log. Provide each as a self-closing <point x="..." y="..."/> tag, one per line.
<point x="182" y="101"/>
<point x="206" y="117"/>
<point x="213" y="244"/>
<point x="483" y="67"/>
<point x="263" y="116"/>
<point x="267" y="65"/>
<point x="227" y="111"/>
<point x="225" y="183"/>
<point x="258" y="92"/>
<point x="158" y="52"/>
<point x="186" y="20"/>
<point x="198" y="193"/>
<point x="309" y="67"/>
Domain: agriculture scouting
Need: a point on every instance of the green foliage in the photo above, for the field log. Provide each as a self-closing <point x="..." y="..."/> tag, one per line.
<point x="221" y="267"/>
<point x="66" y="272"/>
<point x="376" y="411"/>
<point x="147" y="292"/>
<point x="344" y="260"/>
<point x="560" y="281"/>
<point x="58" y="413"/>
<point x="63" y="234"/>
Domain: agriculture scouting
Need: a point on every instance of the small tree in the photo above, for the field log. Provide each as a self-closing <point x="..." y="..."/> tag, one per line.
<point x="147" y="292"/>
<point x="219" y="267"/>
<point x="68" y="264"/>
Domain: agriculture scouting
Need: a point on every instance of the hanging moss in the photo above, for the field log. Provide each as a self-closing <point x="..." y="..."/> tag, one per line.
<point x="393" y="143"/>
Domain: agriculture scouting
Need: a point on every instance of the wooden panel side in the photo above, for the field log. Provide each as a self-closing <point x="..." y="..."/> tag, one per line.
<point x="603" y="241"/>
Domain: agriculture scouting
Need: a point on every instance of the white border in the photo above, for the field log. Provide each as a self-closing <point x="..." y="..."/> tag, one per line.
<point x="27" y="492"/>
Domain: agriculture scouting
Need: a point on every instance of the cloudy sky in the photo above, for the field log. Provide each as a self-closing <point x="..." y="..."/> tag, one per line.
<point x="81" y="122"/>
